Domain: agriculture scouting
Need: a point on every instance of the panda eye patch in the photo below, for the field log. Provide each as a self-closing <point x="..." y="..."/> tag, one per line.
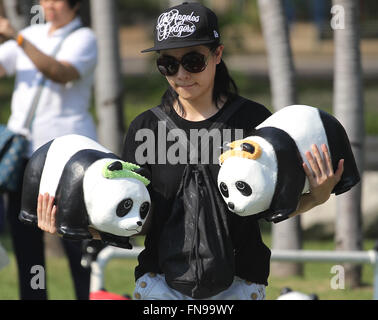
<point x="115" y="166"/>
<point x="124" y="207"/>
<point x="144" y="208"/>
<point x="224" y="189"/>
<point x="244" y="188"/>
<point x="248" y="147"/>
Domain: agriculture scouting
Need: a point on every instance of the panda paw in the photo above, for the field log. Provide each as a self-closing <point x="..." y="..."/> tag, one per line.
<point x="115" y="241"/>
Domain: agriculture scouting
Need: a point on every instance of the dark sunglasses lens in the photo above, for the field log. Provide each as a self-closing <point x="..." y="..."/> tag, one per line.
<point x="194" y="62"/>
<point x="167" y="66"/>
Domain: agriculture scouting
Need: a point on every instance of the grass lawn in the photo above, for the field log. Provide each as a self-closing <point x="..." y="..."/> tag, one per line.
<point x="119" y="277"/>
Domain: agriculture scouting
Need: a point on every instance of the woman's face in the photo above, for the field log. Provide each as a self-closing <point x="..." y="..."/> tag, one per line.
<point x="58" y="12"/>
<point x="192" y="86"/>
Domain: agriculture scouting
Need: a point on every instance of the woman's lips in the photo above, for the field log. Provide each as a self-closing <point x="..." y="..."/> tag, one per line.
<point x="186" y="86"/>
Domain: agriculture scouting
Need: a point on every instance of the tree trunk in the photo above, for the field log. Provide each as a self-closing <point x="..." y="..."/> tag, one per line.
<point x="287" y="234"/>
<point x="349" y="110"/>
<point x="108" y="87"/>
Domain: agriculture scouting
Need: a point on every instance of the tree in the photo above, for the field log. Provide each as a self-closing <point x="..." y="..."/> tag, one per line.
<point x="349" y="110"/>
<point x="287" y="234"/>
<point x="108" y="88"/>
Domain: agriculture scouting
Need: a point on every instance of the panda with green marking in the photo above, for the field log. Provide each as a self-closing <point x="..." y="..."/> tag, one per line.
<point x="92" y="188"/>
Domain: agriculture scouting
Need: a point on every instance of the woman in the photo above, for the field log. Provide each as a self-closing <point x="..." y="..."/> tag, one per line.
<point x="200" y="91"/>
<point x="62" y="109"/>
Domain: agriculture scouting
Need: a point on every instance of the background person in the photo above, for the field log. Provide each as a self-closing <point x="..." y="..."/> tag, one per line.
<point x="62" y="109"/>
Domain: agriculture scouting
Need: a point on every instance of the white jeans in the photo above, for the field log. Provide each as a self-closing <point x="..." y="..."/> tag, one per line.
<point x="153" y="286"/>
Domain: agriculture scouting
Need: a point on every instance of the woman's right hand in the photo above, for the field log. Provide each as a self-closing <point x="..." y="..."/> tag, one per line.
<point x="46" y="213"/>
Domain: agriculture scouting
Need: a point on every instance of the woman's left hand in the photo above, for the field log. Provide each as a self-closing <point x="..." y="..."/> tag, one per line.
<point x="322" y="178"/>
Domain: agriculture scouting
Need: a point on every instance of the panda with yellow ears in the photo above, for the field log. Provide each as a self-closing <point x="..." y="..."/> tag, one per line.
<point x="262" y="175"/>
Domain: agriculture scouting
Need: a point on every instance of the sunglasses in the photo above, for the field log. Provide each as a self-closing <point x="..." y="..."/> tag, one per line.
<point x="192" y="62"/>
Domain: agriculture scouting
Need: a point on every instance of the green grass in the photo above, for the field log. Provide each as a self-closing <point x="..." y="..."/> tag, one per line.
<point x="119" y="276"/>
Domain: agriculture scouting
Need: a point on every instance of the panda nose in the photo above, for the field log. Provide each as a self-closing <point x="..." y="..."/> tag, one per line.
<point x="231" y="205"/>
<point x="139" y="223"/>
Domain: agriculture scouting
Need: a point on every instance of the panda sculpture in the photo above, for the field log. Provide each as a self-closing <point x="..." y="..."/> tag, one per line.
<point x="262" y="175"/>
<point x="289" y="294"/>
<point x="92" y="188"/>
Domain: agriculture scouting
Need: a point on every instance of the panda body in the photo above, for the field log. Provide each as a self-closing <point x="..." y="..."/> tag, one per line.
<point x="289" y="294"/>
<point x="73" y="169"/>
<point x="59" y="153"/>
<point x="269" y="162"/>
<point x="289" y="120"/>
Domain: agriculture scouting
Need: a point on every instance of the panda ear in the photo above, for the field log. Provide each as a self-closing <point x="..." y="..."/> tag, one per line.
<point x="143" y="172"/>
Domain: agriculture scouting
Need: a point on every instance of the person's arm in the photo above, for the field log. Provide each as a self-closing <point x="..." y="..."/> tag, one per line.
<point x="322" y="179"/>
<point x="58" y="71"/>
<point x="2" y="71"/>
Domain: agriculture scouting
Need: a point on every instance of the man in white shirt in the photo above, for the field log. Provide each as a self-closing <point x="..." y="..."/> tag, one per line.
<point x="62" y="109"/>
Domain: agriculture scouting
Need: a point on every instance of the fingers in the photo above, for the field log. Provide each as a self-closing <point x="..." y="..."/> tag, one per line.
<point x="39" y="210"/>
<point x="313" y="164"/>
<point x="321" y="166"/>
<point x="327" y="158"/>
<point x="340" y="170"/>
<point x="53" y="220"/>
<point x="319" y="159"/>
<point x="46" y="213"/>
<point x="308" y="173"/>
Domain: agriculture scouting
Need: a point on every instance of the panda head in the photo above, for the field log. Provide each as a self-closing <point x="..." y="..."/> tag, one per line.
<point x="248" y="176"/>
<point x="116" y="197"/>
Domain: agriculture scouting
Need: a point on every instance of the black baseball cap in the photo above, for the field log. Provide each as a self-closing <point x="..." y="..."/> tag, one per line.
<point x="185" y="25"/>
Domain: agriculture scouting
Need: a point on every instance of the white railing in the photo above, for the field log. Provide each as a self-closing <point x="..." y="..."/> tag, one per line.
<point x="359" y="257"/>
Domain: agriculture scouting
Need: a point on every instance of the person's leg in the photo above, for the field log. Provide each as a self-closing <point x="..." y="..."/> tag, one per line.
<point x="80" y="275"/>
<point x="29" y="252"/>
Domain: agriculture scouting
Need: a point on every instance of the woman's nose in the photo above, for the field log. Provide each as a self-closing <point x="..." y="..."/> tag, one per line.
<point x="182" y="73"/>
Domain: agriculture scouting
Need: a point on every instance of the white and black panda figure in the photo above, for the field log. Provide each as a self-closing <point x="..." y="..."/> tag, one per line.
<point x="92" y="187"/>
<point x="289" y="294"/>
<point x="262" y="175"/>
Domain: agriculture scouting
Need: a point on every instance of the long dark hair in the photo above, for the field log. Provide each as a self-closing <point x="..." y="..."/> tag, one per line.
<point x="224" y="86"/>
<point x="73" y="3"/>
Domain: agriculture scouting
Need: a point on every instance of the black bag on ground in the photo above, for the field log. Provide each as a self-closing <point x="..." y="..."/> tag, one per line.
<point x="195" y="250"/>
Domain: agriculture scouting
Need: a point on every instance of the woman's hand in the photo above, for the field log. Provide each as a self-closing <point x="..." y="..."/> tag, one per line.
<point x="6" y="29"/>
<point x="322" y="178"/>
<point x="46" y="213"/>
